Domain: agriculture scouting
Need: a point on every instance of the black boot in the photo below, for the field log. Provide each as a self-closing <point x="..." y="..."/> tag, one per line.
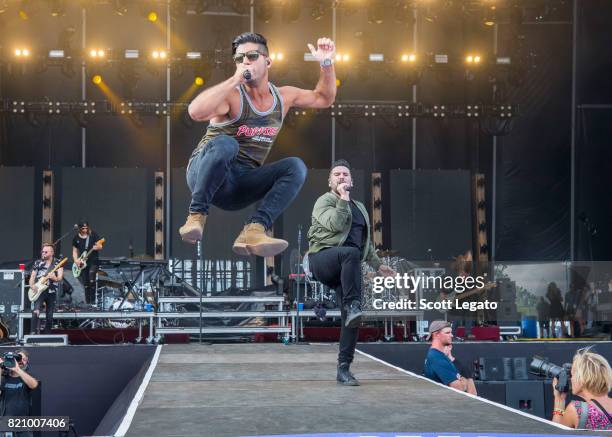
<point x="345" y="377"/>
<point x="353" y="314"/>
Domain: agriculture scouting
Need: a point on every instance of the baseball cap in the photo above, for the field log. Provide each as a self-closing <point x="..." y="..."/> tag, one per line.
<point x="436" y="326"/>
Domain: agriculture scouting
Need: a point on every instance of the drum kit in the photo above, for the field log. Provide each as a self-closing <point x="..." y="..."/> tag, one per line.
<point x="116" y="295"/>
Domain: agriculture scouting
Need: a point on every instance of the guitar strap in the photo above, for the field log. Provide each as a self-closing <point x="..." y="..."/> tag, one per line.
<point x="87" y="243"/>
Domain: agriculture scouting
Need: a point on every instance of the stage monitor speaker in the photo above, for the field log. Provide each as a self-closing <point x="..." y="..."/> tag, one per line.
<point x="520" y="368"/>
<point x="491" y="369"/>
<point x="526" y="396"/>
<point x="46" y="340"/>
<point x="492" y="390"/>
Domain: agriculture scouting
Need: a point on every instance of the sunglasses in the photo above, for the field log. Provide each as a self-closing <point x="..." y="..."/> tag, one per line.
<point x="251" y="55"/>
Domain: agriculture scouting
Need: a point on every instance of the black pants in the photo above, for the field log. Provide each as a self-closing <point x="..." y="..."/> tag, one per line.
<point x="340" y="268"/>
<point x="49" y="300"/>
<point x="87" y="278"/>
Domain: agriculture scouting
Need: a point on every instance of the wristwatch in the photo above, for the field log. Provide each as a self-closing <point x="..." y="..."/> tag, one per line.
<point x="327" y="62"/>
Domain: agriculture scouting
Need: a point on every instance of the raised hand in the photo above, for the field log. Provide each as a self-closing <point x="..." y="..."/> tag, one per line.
<point x="326" y="49"/>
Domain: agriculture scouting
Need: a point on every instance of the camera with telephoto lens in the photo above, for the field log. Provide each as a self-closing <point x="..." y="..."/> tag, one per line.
<point x="542" y="367"/>
<point x="10" y="360"/>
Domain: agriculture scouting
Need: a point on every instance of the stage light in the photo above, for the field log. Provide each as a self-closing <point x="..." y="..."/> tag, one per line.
<point x="131" y="54"/>
<point x="375" y="10"/>
<point x="25" y="9"/>
<point x="441" y="59"/>
<point x="376" y="57"/>
<point x="276" y="56"/>
<point x="58" y="7"/>
<point x="263" y="10"/>
<point x="97" y="79"/>
<point x="120" y="7"/>
<point x="56" y="54"/>
<point x="409" y="57"/>
<point x="193" y="55"/>
<point x="22" y="53"/>
<point x="292" y="11"/>
<point x="490" y="15"/>
<point x="473" y="59"/>
<point x="503" y="60"/>
<point x="152" y="16"/>
<point x="158" y="54"/>
<point x="338" y="82"/>
<point x="318" y="10"/>
<point x="199" y="81"/>
<point x="342" y="57"/>
<point x="97" y="53"/>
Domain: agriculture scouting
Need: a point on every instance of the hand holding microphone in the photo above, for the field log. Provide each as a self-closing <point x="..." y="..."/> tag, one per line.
<point x="343" y="190"/>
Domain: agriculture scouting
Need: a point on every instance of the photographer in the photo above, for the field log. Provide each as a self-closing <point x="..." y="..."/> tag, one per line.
<point x="16" y="385"/>
<point x="591" y="379"/>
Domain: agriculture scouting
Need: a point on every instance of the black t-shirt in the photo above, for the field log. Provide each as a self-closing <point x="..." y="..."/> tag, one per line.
<point x="41" y="268"/>
<point x="358" y="229"/>
<point x="82" y="245"/>
<point x="16" y="397"/>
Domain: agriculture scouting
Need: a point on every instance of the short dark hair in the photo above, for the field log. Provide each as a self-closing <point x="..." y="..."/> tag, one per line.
<point x="256" y="38"/>
<point x="340" y="163"/>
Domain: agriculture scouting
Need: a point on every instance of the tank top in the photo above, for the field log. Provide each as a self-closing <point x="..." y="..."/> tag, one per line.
<point x="254" y="130"/>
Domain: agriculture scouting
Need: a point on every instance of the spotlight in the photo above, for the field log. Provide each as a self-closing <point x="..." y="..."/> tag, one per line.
<point x="473" y="59"/>
<point x="120" y="7"/>
<point x="292" y="10"/>
<point x="199" y="81"/>
<point x="342" y="57"/>
<point x="338" y="82"/>
<point x="263" y="10"/>
<point x="376" y="10"/>
<point x="490" y="15"/>
<point x="25" y="9"/>
<point x="58" y="7"/>
<point x="318" y="10"/>
<point x="276" y="56"/>
<point x="376" y="57"/>
<point x="97" y="53"/>
<point x="97" y="79"/>
<point x="158" y="54"/>
<point x="152" y="16"/>
<point x="409" y="57"/>
<point x="22" y="53"/>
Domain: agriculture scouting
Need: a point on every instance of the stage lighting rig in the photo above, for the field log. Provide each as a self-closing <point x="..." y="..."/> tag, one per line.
<point x="409" y="58"/>
<point x="318" y="10"/>
<point x="292" y="10"/>
<point x="490" y="15"/>
<point x="22" y="53"/>
<point x="277" y="56"/>
<point x="96" y="79"/>
<point x="26" y="9"/>
<point x="97" y="54"/>
<point x="159" y="55"/>
<point x="473" y="59"/>
<point x="375" y="11"/>
<point x="264" y="10"/>
<point x="120" y="7"/>
<point x="57" y="7"/>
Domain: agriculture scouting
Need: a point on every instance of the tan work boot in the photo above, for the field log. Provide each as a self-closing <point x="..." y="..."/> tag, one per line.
<point x="193" y="228"/>
<point x="254" y="241"/>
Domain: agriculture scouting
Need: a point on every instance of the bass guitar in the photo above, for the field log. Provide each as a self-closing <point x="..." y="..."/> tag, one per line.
<point x="43" y="283"/>
<point x="76" y="270"/>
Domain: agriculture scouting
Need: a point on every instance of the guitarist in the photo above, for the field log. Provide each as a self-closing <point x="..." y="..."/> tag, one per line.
<point x="40" y="269"/>
<point x="86" y="240"/>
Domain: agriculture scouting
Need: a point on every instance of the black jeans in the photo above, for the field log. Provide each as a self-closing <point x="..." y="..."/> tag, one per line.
<point x="87" y="278"/>
<point x="215" y="177"/>
<point x="49" y="299"/>
<point x="340" y="268"/>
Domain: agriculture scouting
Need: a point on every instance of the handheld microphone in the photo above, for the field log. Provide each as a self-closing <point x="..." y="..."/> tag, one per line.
<point x="246" y="74"/>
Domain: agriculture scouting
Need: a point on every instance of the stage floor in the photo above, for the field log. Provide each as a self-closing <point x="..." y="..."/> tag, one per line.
<point x="266" y="389"/>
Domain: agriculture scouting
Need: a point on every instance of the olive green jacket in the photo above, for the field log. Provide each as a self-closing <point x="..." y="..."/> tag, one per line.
<point x="331" y="224"/>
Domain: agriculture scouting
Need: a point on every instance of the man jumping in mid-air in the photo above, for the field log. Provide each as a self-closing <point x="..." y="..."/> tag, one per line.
<point x="246" y="113"/>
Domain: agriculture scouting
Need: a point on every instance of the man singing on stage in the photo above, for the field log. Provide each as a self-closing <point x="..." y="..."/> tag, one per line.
<point x="246" y="113"/>
<point x="48" y="297"/>
<point x="339" y="240"/>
